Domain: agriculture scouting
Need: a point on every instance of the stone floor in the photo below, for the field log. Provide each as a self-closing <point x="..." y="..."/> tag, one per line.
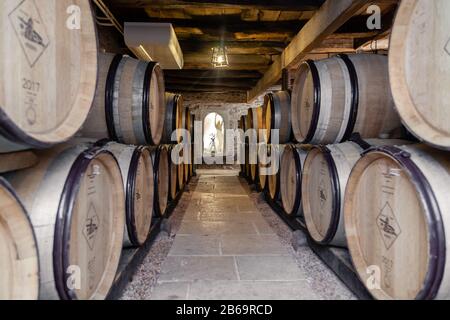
<point x="228" y="244"/>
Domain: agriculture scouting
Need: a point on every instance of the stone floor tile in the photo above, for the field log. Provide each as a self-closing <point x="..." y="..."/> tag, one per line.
<point x="217" y="227"/>
<point x="248" y="244"/>
<point x="268" y="268"/>
<point x="185" y="245"/>
<point x="251" y="290"/>
<point x="198" y="268"/>
<point x="170" y="291"/>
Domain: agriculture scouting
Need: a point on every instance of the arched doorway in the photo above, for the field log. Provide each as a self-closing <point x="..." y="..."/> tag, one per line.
<point x="213" y="135"/>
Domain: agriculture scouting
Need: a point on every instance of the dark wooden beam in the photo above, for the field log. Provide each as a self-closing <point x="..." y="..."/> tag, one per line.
<point x="202" y="60"/>
<point x="219" y="82"/>
<point x="231" y="24"/>
<point x="195" y="98"/>
<point x="279" y="5"/>
<point x="199" y="88"/>
<point x="235" y="67"/>
<point x="234" y="47"/>
<point x="192" y="74"/>
<point x="198" y="45"/>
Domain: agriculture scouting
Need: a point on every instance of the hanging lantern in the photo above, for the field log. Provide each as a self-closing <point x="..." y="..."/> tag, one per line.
<point x="219" y="57"/>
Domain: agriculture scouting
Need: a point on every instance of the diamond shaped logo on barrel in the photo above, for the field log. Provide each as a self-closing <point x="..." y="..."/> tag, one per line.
<point x="30" y="30"/>
<point x="388" y="225"/>
<point x="91" y="226"/>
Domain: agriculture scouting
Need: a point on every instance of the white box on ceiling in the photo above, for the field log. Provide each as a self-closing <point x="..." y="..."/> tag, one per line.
<point x="159" y="41"/>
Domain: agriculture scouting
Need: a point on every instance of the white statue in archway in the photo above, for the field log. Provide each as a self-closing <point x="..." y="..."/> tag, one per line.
<point x="219" y="133"/>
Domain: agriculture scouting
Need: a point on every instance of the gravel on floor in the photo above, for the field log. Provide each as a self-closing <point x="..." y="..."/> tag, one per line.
<point x="323" y="281"/>
<point x="146" y="276"/>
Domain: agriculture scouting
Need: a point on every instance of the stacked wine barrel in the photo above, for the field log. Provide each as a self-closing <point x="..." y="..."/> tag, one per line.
<point x="76" y="203"/>
<point x="130" y="102"/>
<point x="336" y="97"/>
<point x="47" y="88"/>
<point x="349" y="174"/>
<point x="396" y="203"/>
<point x="94" y="128"/>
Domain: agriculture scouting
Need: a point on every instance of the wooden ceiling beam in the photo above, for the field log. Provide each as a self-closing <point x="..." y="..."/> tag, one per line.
<point x="329" y="18"/>
<point x="234" y="67"/>
<point x="199" y="88"/>
<point x="212" y="74"/>
<point x="280" y="5"/>
<point x="229" y="83"/>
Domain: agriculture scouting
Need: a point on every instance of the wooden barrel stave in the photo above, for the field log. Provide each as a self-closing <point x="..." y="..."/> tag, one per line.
<point x="161" y="168"/>
<point x="137" y="173"/>
<point x="291" y="167"/>
<point x="173" y="176"/>
<point x="273" y="178"/>
<point x="173" y="119"/>
<point x="47" y="89"/>
<point x="19" y="263"/>
<point x="181" y="179"/>
<point x="263" y="160"/>
<point x="96" y="124"/>
<point x="83" y="185"/>
<point x="404" y="221"/>
<point x="277" y="116"/>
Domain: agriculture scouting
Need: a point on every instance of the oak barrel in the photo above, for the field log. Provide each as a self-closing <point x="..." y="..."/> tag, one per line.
<point x="419" y="68"/>
<point x="76" y="203"/>
<point x="161" y="169"/>
<point x="277" y="116"/>
<point x="181" y="177"/>
<point x="48" y="71"/>
<point x="247" y="161"/>
<point x="138" y="178"/>
<point x="264" y="153"/>
<point x="273" y="177"/>
<point x="253" y="162"/>
<point x="129" y="105"/>
<point x="19" y="277"/>
<point x="335" y="97"/>
<point x="173" y="175"/>
<point x="397" y="221"/>
<point x="173" y="118"/>
<point x="291" y="167"/>
<point x="255" y="121"/>
<point x="254" y="173"/>
<point x="242" y="124"/>
<point x="325" y="174"/>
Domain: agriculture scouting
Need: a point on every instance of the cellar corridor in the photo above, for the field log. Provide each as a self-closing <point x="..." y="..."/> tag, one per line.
<point x="224" y="248"/>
